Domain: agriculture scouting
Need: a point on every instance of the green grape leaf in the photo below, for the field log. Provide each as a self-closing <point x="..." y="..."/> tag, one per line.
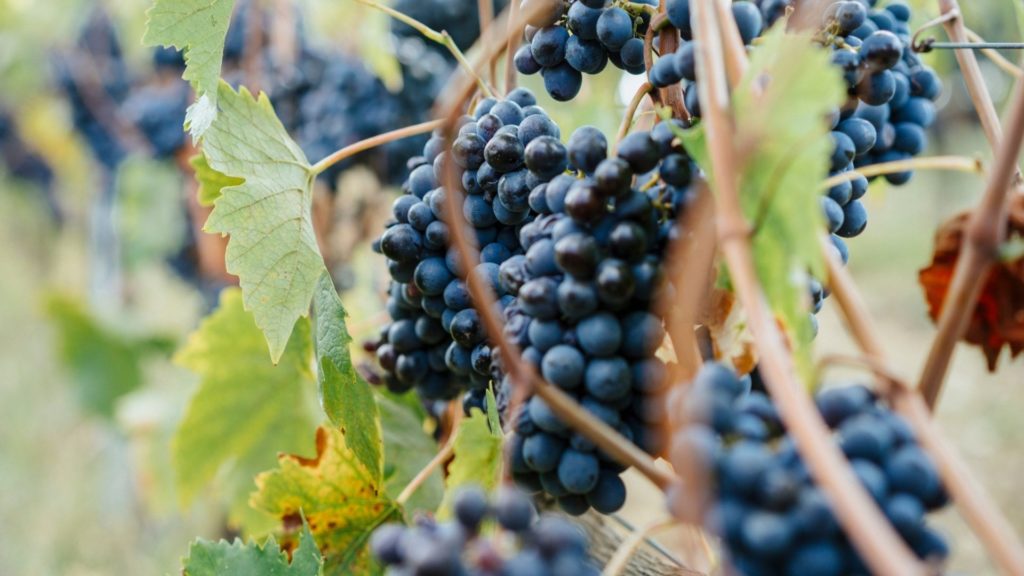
<point x="246" y="410"/>
<point x="478" y="455"/>
<point x="273" y="248"/>
<point x="339" y="497"/>
<point x="345" y="396"/>
<point x="103" y="364"/>
<point x="198" y="27"/>
<point x="407" y="450"/>
<point x="206" y="558"/>
<point x="787" y="157"/>
<point x="780" y="187"/>
<point x="211" y="182"/>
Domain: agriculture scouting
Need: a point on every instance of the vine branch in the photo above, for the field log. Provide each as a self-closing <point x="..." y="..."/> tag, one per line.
<point x="634" y="103"/>
<point x="869" y="531"/>
<point x="982" y="237"/>
<point x="993" y="529"/>
<point x="485" y="13"/>
<point x="443" y="455"/>
<point x="512" y="34"/>
<point x="524" y="378"/>
<point x="369" y="143"/>
<point x="951" y="163"/>
<point x="952" y="21"/>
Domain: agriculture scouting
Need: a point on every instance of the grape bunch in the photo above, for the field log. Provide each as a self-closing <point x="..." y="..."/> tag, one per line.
<point x="570" y="39"/>
<point x="427" y="65"/>
<point x="20" y="161"/>
<point x="766" y="507"/>
<point x="502" y="152"/>
<point x="891" y="93"/>
<point x="91" y="95"/>
<point x="529" y="546"/>
<point x="584" y="287"/>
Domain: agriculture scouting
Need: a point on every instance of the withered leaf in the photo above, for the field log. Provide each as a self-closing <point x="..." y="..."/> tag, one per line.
<point x="998" y="318"/>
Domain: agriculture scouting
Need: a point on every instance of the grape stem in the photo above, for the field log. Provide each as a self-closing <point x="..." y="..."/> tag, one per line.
<point x="446" y="452"/>
<point x="639" y="8"/>
<point x="952" y="163"/>
<point x="984" y="517"/>
<point x="634" y="103"/>
<point x="521" y="374"/>
<point x="735" y="52"/>
<point x="996" y="58"/>
<point x="618" y="562"/>
<point x="952" y="21"/>
<point x="869" y="531"/>
<point x="511" y="45"/>
<point x="689" y="268"/>
<point x="485" y="12"/>
<point x="442" y="38"/>
<point x="668" y="42"/>
<point x="985" y="231"/>
<point x="369" y="143"/>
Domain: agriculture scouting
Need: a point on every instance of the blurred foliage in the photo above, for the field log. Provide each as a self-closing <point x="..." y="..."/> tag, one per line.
<point x="110" y="481"/>
<point x="104" y="364"/>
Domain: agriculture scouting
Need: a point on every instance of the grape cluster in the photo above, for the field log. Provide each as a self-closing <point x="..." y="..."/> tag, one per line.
<point x="502" y="152"/>
<point x="530" y="546"/>
<point x="584" y="289"/>
<point x="427" y="65"/>
<point x="766" y="507"/>
<point x="580" y="37"/>
<point x="97" y="47"/>
<point x="22" y="162"/>
<point x="891" y="93"/>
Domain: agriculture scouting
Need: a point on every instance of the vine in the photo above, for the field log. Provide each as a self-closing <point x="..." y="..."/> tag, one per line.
<point x="595" y="307"/>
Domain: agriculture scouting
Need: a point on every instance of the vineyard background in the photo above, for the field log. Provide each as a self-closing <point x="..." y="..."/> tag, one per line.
<point x="83" y="495"/>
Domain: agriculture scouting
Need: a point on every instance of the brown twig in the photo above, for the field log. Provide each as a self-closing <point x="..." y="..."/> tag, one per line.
<point x="442" y="456"/>
<point x="952" y="163"/>
<point x="984" y="517"/>
<point x="690" y="265"/>
<point x="252" y="51"/>
<point x="379" y="140"/>
<point x="485" y="13"/>
<point x="971" y="71"/>
<point x="634" y="103"/>
<point x="521" y="374"/>
<point x="513" y="33"/>
<point x="996" y="58"/>
<point x="668" y="42"/>
<point x="690" y="268"/>
<point x="985" y="230"/>
<point x="735" y="51"/>
<point x="872" y="535"/>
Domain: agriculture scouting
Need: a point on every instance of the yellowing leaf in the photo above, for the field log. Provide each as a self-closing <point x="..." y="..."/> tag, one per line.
<point x="211" y="182"/>
<point x="198" y="27"/>
<point x="337" y="495"/>
<point x="246" y="410"/>
<point x="345" y="396"/>
<point x="478" y="456"/>
<point x="273" y="248"/>
<point x="207" y="558"/>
